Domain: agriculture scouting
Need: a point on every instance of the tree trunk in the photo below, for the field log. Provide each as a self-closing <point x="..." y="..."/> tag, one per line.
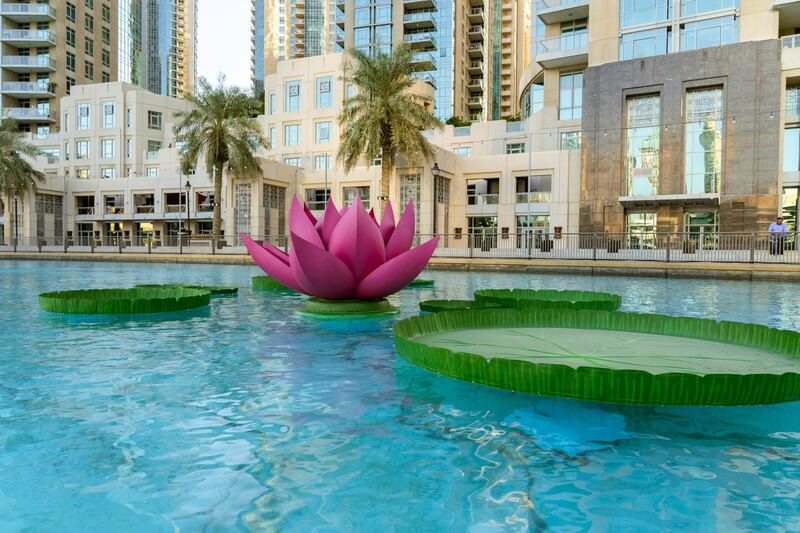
<point x="386" y="177"/>
<point x="216" y="225"/>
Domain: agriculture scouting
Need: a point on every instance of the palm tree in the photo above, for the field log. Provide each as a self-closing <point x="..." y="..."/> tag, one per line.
<point x="17" y="175"/>
<point x="384" y="117"/>
<point x="221" y="129"/>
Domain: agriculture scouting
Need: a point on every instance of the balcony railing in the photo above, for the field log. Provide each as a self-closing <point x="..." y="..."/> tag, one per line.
<point x="152" y="154"/>
<point x="563" y="43"/>
<point x="512" y="127"/>
<point x="533" y="197"/>
<point x="421" y="16"/>
<point x="546" y="5"/>
<point x="29" y="113"/>
<point x="462" y="131"/>
<point x="483" y="199"/>
<point x="36" y="61"/>
<point x="145" y="209"/>
<point x="7" y="9"/>
<point x="791" y="41"/>
<point x="27" y="87"/>
<point x="419" y="38"/>
<point x="175" y="208"/>
<point x="86" y="210"/>
<point x="115" y="210"/>
<point x="28" y="35"/>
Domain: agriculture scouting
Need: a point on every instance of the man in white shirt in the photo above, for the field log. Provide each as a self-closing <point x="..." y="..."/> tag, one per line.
<point x="777" y="236"/>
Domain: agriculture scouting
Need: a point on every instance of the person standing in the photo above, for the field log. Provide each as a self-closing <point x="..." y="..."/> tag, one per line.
<point x="777" y="236"/>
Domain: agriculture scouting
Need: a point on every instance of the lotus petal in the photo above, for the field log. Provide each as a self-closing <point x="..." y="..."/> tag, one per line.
<point x="300" y="224"/>
<point x="271" y="263"/>
<point x="320" y="272"/>
<point x="396" y="273"/>
<point x="403" y="235"/>
<point x="343" y="210"/>
<point x="277" y="252"/>
<point x="387" y="222"/>
<point x="357" y="241"/>
<point x="330" y="218"/>
<point x="372" y="216"/>
<point x="308" y="213"/>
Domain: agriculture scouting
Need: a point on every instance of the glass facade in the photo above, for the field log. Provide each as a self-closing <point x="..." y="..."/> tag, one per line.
<point x="257" y="66"/>
<point x="791" y="149"/>
<point x="636" y="12"/>
<point x="790" y="204"/>
<point x="315" y="27"/>
<point x="710" y="32"/>
<point x="443" y="96"/>
<point x="641" y="229"/>
<point x="704" y="139"/>
<point x="570" y="88"/>
<point x="645" y="43"/>
<point x="642" y="144"/>
<point x="532" y="100"/>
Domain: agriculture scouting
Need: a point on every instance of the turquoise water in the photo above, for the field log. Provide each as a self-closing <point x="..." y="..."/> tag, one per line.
<point x="247" y="417"/>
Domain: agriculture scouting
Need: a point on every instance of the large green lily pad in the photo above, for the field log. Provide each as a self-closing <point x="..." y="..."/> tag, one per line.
<point x="215" y="290"/>
<point x="608" y="356"/>
<point x="268" y="283"/>
<point x="437" y="306"/>
<point x="125" y="301"/>
<point x="549" y="299"/>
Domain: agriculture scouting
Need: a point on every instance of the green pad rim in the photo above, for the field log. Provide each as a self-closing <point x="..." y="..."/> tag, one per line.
<point x="604" y="384"/>
<point x="421" y="283"/>
<point x="125" y="301"/>
<point x="550" y="299"/>
<point x="268" y="283"/>
<point x="215" y="290"/>
<point x="319" y="307"/>
<point x="437" y="306"/>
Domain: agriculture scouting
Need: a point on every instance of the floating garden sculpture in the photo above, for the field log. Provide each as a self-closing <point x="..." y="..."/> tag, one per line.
<point x="346" y="256"/>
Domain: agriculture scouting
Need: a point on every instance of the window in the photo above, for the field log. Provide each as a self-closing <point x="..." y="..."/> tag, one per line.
<point x="570" y="140"/>
<point x="66" y="121"/>
<point x="323" y="161"/>
<point x="83" y="116"/>
<point x="88" y="23"/>
<point x="106" y="77"/>
<point x="642" y="144"/>
<point x="322" y="132"/>
<point x="316" y="198"/>
<point x="709" y="32"/>
<point x="292" y="96"/>
<point x="645" y="43"/>
<point x="350" y="90"/>
<point x="791" y="149"/>
<point x="70" y="84"/>
<point x="128" y="147"/>
<point x="700" y="224"/>
<point x="66" y="150"/>
<point x="106" y="13"/>
<point x="89" y="4"/>
<point x="383" y="14"/>
<point x="704" y="138"/>
<point x="291" y="160"/>
<point x="362" y="16"/>
<point x="532" y="100"/>
<point x="106" y="58"/>
<point x="70" y="12"/>
<point x="152" y="172"/>
<point x="570" y="95"/>
<point x="108" y="114"/>
<point x="71" y="61"/>
<point x="273" y="140"/>
<point x="108" y="173"/>
<point x="574" y="35"/>
<point x="515" y="148"/>
<point x="635" y="12"/>
<point x="154" y="120"/>
<point x="153" y="146"/>
<point x="129" y="117"/>
<point x="695" y="7"/>
<point x="88" y="69"/>
<point x="106" y="36"/>
<point x="291" y="134"/>
<point x="107" y="148"/>
<point x="82" y="173"/>
<point x="349" y="194"/>
<point x="641" y="229"/>
<point x="71" y="37"/>
<point x="463" y="151"/>
<point x="272" y="103"/>
<point x="790" y="203"/>
<point x="81" y="149"/>
<point x="324" y="92"/>
<point x="88" y="46"/>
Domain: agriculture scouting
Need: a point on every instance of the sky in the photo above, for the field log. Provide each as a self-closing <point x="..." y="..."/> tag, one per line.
<point x="223" y="41"/>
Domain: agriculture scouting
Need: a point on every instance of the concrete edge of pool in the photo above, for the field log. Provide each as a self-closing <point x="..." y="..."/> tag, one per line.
<point x="657" y="269"/>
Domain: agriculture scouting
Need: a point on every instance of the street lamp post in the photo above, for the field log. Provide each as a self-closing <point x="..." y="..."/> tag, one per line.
<point x="188" y="207"/>
<point x="16" y="222"/>
<point x="435" y="173"/>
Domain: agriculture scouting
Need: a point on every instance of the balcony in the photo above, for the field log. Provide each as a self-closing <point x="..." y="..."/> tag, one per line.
<point x="25" y="89"/>
<point x="570" y="49"/>
<point x="145" y="209"/>
<point x="475" y="50"/>
<point x="29" y="114"/>
<point x="340" y="5"/>
<point x="475" y="102"/>
<point x="475" y="67"/>
<point x="475" y="33"/>
<point x="419" y="4"/>
<point x="528" y="200"/>
<point x="482" y="203"/>
<point x="423" y="40"/>
<point x="28" y="12"/>
<point x="115" y="210"/>
<point x="421" y="20"/>
<point x="28" y="63"/>
<point x="423" y="61"/>
<point x="153" y="154"/>
<point x="475" y="84"/>
<point x="28" y="38"/>
<point x="427" y="77"/>
<point x="476" y="15"/>
<point x="555" y="11"/>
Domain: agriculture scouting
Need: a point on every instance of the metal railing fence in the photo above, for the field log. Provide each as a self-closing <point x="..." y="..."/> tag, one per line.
<point x="533" y="245"/>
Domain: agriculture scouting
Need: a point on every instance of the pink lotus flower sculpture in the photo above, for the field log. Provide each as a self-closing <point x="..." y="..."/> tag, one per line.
<point x="345" y="254"/>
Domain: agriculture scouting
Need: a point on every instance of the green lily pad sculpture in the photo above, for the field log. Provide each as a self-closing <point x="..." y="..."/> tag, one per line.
<point x="419" y="283"/>
<point x="215" y="290"/>
<point x="125" y="301"/>
<point x="437" y="306"/>
<point x="608" y="356"/>
<point x="268" y="283"/>
<point x="550" y="299"/>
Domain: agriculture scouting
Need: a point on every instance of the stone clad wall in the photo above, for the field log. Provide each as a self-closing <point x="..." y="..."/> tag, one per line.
<point x="750" y="73"/>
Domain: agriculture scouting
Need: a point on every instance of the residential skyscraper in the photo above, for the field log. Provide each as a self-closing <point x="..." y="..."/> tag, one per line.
<point x="158" y="45"/>
<point x="290" y="29"/>
<point x="49" y="47"/>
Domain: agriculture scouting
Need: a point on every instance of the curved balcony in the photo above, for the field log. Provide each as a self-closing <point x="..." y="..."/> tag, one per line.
<point x="567" y="50"/>
<point x="28" y="38"/>
<point x="421" y="40"/>
<point x="28" y="12"/>
<point x="555" y="11"/>
<point x="420" y="20"/>
<point x="28" y="63"/>
<point x="25" y="89"/>
<point x="423" y="61"/>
